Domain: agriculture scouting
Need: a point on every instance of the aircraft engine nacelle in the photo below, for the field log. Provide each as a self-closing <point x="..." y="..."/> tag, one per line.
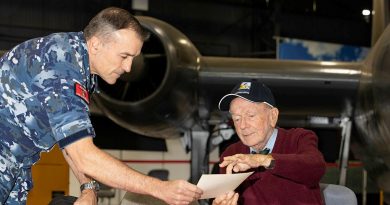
<point x="372" y="116"/>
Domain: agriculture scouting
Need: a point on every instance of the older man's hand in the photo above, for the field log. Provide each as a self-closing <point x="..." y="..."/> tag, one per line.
<point x="243" y="162"/>
<point x="229" y="198"/>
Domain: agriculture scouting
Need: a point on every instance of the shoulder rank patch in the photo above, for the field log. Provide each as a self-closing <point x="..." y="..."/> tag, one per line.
<point x="81" y="92"/>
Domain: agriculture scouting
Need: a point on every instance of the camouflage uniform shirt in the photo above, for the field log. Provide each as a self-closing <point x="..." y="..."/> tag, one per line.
<point x="44" y="88"/>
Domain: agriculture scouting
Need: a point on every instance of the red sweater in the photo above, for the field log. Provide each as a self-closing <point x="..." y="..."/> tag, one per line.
<point x="299" y="166"/>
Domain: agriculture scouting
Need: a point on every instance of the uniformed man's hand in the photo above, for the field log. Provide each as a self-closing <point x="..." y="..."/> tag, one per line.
<point x="229" y="198"/>
<point x="179" y="192"/>
<point x="87" y="197"/>
<point x="243" y="162"/>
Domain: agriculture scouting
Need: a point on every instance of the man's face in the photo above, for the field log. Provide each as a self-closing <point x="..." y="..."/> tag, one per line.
<point x="254" y="122"/>
<point x="112" y="56"/>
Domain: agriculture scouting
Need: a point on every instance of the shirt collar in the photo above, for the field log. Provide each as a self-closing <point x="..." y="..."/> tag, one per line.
<point x="94" y="88"/>
<point x="271" y="142"/>
<point x="92" y="82"/>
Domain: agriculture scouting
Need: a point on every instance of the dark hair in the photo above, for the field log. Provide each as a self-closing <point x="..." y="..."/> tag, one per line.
<point x="112" y="19"/>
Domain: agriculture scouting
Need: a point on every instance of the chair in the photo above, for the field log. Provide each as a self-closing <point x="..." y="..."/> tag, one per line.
<point x="105" y="192"/>
<point x="337" y="195"/>
<point x="63" y="200"/>
<point x="141" y="199"/>
<point x="161" y="174"/>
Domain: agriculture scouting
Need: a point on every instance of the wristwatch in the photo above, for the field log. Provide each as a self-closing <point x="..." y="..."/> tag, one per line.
<point x="94" y="185"/>
<point x="271" y="164"/>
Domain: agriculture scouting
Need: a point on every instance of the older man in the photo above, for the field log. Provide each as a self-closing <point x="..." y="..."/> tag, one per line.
<point x="287" y="164"/>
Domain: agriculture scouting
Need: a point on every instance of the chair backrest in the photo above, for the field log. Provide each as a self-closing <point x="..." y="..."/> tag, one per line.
<point x="105" y="191"/>
<point x="140" y="199"/>
<point x="63" y="200"/>
<point x="161" y="174"/>
<point x="337" y="195"/>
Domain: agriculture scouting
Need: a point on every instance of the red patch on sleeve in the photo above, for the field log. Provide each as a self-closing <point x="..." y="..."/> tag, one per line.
<point x="81" y="92"/>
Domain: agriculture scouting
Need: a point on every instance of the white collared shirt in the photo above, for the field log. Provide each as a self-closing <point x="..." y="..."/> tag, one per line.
<point x="270" y="144"/>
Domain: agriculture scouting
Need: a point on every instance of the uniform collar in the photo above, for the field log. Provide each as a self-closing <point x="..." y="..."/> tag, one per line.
<point x="92" y="82"/>
<point x="93" y="85"/>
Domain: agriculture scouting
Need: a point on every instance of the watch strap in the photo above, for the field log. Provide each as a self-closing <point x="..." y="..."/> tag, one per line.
<point x="271" y="164"/>
<point x="94" y="185"/>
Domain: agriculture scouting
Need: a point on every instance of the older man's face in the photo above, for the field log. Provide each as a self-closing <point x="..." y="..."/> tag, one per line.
<point x="254" y="122"/>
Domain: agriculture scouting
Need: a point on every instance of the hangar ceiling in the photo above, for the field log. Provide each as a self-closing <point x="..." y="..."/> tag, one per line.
<point x="242" y="28"/>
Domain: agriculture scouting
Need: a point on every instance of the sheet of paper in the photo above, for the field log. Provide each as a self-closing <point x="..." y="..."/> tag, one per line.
<point x="214" y="185"/>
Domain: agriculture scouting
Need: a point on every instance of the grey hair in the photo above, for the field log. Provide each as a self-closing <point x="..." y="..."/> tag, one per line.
<point x="112" y="19"/>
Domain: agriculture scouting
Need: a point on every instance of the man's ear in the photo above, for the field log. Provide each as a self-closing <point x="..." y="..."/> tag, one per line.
<point x="274" y="116"/>
<point x="94" y="44"/>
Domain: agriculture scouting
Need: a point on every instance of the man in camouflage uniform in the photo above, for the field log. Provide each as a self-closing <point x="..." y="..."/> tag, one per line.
<point x="45" y="85"/>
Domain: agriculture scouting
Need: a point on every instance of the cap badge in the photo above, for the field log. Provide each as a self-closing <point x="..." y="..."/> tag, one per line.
<point x="244" y="87"/>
